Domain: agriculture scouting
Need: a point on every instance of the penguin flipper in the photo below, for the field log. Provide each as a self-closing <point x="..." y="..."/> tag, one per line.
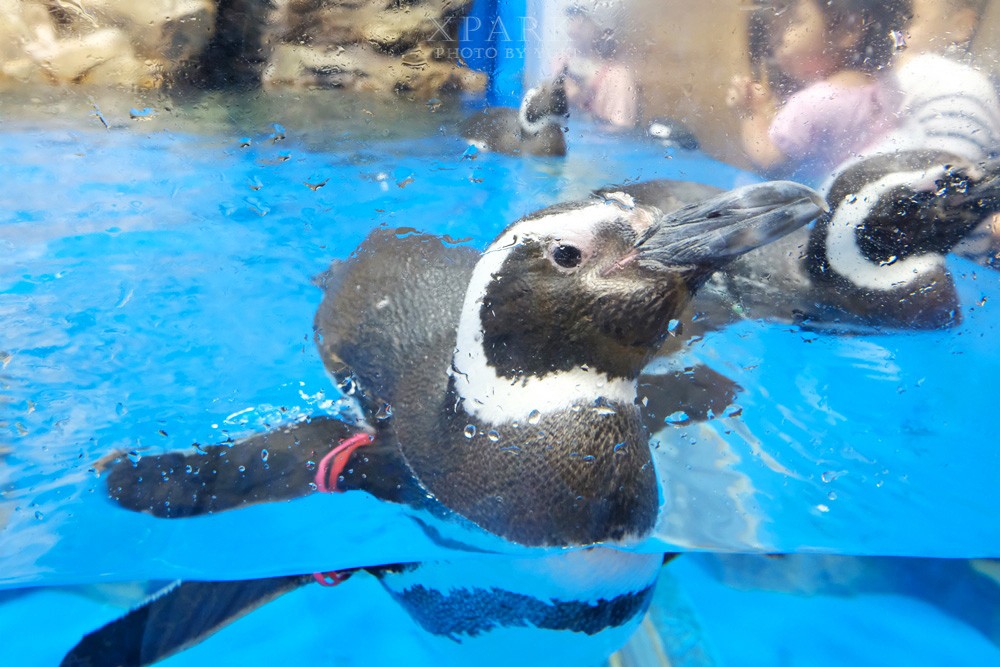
<point x="181" y="616"/>
<point x="267" y="467"/>
<point x="699" y="392"/>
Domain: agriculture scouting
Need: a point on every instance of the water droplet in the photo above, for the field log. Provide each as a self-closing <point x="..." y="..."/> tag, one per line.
<point x="348" y="386"/>
<point x="832" y="495"/>
<point x="263" y="455"/>
<point x="620" y="448"/>
<point x="672" y="325"/>
<point x="493" y="435"/>
<point x="310" y="465"/>
<point x="120" y="409"/>
<point x="433" y="104"/>
<point x="831" y="475"/>
<point x="534" y="417"/>
<point x="589" y="458"/>
<point x="679" y="417"/>
<point x="188" y="469"/>
<point x="134" y="456"/>
<point x="39" y="515"/>
<point x="242" y="468"/>
<point x="470" y="431"/>
<point x="982" y="302"/>
<point x="384" y="412"/>
<point x="823" y="508"/>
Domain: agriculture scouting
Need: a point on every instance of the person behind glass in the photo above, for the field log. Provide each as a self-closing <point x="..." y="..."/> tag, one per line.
<point x="833" y="51"/>
<point x="947" y="104"/>
<point x="597" y="81"/>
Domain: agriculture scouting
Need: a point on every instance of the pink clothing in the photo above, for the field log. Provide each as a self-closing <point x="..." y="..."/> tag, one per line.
<point x="824" y="124"/>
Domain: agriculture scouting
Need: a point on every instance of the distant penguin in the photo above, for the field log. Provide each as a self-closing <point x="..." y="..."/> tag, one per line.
<point x="875" y="260"/>
<point x="499" y="393"/>
<point x="536" y="128"/>
<point x="672" y="133"/>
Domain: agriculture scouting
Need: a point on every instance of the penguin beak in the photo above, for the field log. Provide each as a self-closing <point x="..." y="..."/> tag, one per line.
<point x="724" y="227"/>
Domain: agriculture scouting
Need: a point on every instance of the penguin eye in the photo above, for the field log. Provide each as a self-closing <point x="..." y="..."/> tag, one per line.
<point x="567" y="256"/>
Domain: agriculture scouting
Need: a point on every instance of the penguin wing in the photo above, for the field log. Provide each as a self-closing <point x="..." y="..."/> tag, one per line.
<point x="267" y="467"/>
<point x="395" y="305"/>
<point x="185" y="614"/>
<point x="697" y="393"/>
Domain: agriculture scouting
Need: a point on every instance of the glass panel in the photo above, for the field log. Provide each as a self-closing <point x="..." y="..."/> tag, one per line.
<point x="260" y="227"/>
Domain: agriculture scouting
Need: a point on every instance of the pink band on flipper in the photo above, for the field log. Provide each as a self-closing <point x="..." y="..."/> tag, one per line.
<point x="332" y="465"/>
<point x="331" y="578"/>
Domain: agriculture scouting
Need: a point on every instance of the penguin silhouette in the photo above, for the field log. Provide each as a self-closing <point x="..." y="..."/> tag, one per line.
<point x="535" y="128"/>
<point x="498" y="392"/>
<point x="672" y="134"/>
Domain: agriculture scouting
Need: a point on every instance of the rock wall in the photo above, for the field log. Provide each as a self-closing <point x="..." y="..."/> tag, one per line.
<point x="375" y="46"/>
<point x="370" y="45"/>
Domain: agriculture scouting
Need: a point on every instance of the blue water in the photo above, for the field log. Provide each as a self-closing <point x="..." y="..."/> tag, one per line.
<point x="155" y="289"/>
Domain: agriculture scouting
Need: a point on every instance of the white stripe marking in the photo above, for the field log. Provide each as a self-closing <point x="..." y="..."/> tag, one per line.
<point x="842" y="249"/>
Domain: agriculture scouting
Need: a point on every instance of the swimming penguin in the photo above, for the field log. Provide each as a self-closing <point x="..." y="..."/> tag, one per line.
<point x="498" y="392"/>
<point x="536" y="128"/>
<point x="875" y="260"/>
<point x="672" y="133"/>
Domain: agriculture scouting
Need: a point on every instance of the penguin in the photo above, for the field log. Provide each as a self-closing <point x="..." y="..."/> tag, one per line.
<point x="498" y="392"/>
<point x="537" y="127"/>
<point x="672" y="134"/>
<point x="875" y="261"/>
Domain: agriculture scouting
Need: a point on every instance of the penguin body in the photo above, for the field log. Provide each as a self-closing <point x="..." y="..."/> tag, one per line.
<point x="875" y="260"/>
<point x="535" y="128"/>
<point x="672" y="134"/>
<point x="498" y="392"/>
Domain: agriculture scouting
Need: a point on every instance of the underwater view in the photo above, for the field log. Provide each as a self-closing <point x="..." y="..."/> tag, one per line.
<point x="237" y="360"/>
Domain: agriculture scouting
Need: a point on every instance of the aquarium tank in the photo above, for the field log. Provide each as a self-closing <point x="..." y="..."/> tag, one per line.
<point x="468" y="332"/>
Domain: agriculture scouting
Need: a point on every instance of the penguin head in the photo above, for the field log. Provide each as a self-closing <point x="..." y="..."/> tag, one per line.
<point x="543" y="106"/>
<point x="895" y="216"/>
<point x="580" y="295"/>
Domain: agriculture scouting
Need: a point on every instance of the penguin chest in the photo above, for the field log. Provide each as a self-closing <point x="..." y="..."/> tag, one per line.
<point x="580" y="606"/>
<point x="568" y="478"/>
